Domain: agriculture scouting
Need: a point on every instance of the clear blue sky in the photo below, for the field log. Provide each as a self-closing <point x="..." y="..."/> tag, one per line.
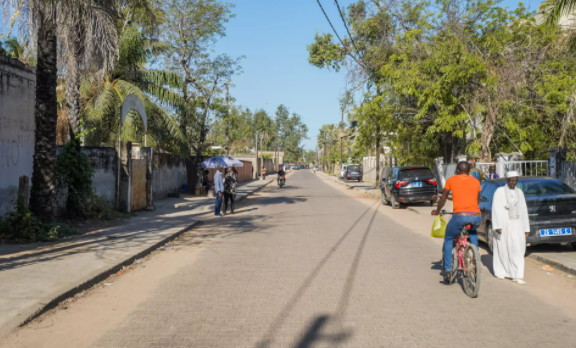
<point x="273" y="35"/>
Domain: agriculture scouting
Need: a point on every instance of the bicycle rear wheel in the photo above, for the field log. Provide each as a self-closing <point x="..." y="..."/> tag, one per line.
<point x="472" y="272"/>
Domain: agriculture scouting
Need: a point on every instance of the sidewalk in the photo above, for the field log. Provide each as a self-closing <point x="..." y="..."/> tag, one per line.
<point x="36" y="277"/>
<point x="564" y="260"/>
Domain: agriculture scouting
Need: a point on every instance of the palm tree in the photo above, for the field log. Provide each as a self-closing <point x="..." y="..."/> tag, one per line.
<point x="553" y="10"/>
<point x="105" y="96"/>
<point x="88" y="33"/>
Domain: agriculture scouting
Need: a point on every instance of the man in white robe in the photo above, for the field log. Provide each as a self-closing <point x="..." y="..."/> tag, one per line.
<point x="511" y="225"/>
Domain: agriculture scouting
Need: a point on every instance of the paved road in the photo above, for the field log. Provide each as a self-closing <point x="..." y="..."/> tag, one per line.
<point x="309" y="266"/>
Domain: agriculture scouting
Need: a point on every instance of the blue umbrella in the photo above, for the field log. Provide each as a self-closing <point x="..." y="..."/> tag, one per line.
<point x="223" y="161"/>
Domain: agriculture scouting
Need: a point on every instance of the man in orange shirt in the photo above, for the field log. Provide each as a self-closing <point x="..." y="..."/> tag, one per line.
<point x="465" y="195"/>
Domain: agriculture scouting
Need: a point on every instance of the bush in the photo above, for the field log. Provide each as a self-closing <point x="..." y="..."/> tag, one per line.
<point x="22" y="226"/>
<point x="75" y="173"/>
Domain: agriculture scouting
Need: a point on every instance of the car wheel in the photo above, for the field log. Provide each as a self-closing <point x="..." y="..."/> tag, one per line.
<point x="573" y="245"/>
<point x="431" y="202"/>
<point x="490" y="238"/>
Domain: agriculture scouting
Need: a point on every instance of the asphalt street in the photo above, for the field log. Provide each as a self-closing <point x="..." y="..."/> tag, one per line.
<point x="316" y="265"/>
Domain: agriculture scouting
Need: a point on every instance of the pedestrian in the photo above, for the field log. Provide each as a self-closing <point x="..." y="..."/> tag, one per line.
<point x="230" y="183"/>
<point x="511" y="226"/>
<point x="492" y="173"/>
<point x="218" y="190"/>
<point x="205" y="183"/>
<point x="474" y="172"/>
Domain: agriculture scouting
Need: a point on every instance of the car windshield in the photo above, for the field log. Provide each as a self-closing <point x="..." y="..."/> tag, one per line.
<point x="354" y="168"/>
<point x="536" y="187"/>
<point x="414" y="173"/>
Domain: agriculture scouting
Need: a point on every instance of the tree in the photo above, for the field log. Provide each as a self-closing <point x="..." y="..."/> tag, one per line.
<point x="191" y="28"/>
<point x="89" y="38"/>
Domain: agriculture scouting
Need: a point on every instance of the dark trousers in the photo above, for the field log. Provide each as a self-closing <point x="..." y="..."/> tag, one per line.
<point x="231" y="197"/>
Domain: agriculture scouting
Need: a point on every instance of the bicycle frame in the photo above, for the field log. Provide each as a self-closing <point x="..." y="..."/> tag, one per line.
<point x="460" y="243"/>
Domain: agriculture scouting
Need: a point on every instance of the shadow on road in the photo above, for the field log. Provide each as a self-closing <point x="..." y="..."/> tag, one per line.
<point x="313" y="333"/>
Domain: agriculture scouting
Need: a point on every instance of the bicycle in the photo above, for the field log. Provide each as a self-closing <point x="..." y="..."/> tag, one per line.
<point x="467" y="257"/>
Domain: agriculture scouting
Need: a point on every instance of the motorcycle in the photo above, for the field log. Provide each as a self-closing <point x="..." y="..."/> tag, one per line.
<point x="281" y="181"/>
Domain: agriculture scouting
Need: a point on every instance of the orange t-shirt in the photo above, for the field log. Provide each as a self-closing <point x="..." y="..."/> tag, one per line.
<point x="465" y="190"/>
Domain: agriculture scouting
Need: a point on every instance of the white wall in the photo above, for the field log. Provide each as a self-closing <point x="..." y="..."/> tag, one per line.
<point x="17" y="91"/>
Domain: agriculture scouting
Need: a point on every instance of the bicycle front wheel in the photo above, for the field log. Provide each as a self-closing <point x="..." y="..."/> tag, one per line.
<point x="472" y="273"/>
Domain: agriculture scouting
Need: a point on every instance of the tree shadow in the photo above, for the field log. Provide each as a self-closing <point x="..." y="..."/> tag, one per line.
<point x="313" y="333"/>
<point x="142" y="230"/>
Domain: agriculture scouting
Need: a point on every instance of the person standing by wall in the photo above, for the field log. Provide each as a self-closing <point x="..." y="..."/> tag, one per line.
<point x="492" y="173"/>
<point x="511" y="225"/>
<point x="218" y="190"/>
<point x="230" y="183"/>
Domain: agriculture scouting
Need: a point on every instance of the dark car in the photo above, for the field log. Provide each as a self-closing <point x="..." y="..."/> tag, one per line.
<point x="353" y="172"/>
<point x="408" y="184"/>
<point x="551" y="210"/>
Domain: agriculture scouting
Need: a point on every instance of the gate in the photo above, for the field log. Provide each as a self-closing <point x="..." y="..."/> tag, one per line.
<point x="138" y="179"/>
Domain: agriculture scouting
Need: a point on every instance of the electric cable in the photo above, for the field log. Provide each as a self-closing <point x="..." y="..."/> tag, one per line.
<point x="337" y="35"/>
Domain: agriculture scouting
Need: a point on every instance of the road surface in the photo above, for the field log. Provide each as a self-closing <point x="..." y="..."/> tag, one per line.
<point x="313" y="264"/>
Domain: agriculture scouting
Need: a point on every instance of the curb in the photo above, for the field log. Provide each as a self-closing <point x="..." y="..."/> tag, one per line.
<point x="105" y="274"/>
<point x="556" y="264"/>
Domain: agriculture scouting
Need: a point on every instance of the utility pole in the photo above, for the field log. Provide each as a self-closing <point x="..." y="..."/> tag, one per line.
<point x="257" y="159"/>
<point x="324" y="155"/>
<point x="227" y="126"/>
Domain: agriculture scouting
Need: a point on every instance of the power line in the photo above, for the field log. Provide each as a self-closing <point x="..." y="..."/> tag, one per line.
<point x="338" y="36"/>
<point x="348" y="30"/>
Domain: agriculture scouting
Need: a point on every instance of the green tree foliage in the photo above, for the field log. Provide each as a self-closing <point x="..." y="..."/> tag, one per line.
<point x="462" y="76"/>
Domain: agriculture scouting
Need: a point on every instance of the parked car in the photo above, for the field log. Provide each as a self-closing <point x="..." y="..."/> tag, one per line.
<point x="408" y="184"/>
<point x="551" y="210"/>
<point x="353" y="172"/>
<point x="342" y="171"/>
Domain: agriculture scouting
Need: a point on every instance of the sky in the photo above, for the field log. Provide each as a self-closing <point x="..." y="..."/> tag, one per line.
<point x="272" y="35"/>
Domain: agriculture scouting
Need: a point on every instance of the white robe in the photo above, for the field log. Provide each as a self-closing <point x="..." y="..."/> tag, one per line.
<point x="510" y="246"/>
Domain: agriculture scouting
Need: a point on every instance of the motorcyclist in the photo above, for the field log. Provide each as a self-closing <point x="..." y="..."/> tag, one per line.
<point x="281" y="175"/>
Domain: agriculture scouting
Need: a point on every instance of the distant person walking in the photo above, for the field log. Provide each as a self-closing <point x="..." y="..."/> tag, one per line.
<point x="218" y="190"/>
<point x="205" y="182"/>
<point x="511" y="226"/>
<point x="230" y="183"/>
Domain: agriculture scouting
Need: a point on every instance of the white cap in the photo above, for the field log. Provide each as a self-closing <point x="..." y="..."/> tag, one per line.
<point x="512" y="174"/>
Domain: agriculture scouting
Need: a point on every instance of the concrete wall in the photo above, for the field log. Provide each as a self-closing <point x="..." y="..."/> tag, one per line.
<point x="17" y="94"/>
<point x="104" y="162"/>
<point x="168" y="174"/>
<point x="369" y="166"/>
<point x="267" y="163"/>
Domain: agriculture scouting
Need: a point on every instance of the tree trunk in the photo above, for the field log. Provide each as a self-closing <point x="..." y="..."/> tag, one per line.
<point x="448" y="146"/>
<point x="46" y="116"/>
<point x="487" y="134"/>
<point x="378" y="136"/>
<point x="73" y="89"/>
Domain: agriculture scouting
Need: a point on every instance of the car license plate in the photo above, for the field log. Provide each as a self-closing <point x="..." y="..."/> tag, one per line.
<point x="551" y="232"/>
<point x="417" y="184"/>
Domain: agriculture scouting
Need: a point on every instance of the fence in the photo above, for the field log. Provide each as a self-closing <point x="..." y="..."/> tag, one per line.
<point x="444" y="171"/>
<point x="567" y="171"/>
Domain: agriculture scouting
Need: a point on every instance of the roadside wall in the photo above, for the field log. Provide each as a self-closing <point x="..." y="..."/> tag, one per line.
<point x="268" y="163"/>
<point x="369" y="166"/>
<point x="168" y="174"/>
<point x="17" y="95"/>
<point x="104" y="163"/>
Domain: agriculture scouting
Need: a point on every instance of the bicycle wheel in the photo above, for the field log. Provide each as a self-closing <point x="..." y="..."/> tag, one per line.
<point x="472" y="272"/>
<point x="454" y="265"/>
